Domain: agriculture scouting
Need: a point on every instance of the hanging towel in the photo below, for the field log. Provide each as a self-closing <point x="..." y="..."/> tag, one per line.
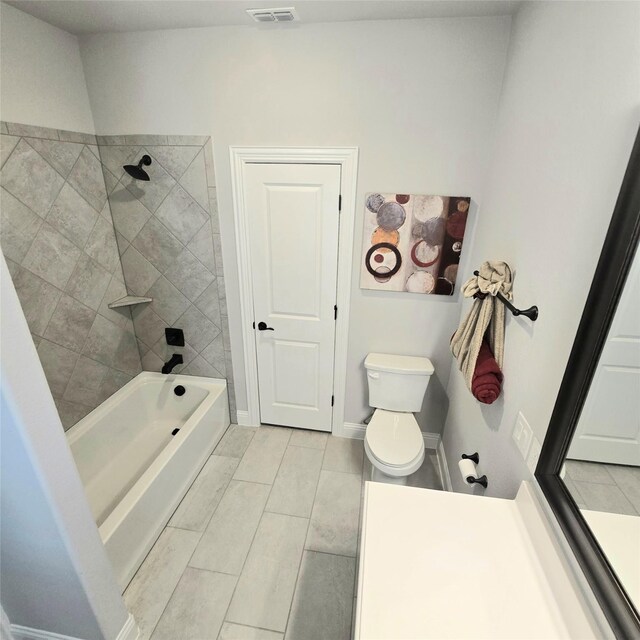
<point x="487" y="377"/>
<point x="485" y="316"/>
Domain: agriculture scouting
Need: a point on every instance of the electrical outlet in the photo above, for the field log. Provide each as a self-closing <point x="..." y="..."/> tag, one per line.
<point x="522" y="435"/>
<point x="517" y="431"/>
<point x="534" y="454"/>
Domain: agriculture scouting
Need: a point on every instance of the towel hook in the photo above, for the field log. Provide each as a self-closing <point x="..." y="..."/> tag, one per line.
<point x="531" y="312"/>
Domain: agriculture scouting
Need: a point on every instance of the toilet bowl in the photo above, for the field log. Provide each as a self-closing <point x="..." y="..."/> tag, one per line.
<point x="393" y="441"/>
<point x="394" y="445"/>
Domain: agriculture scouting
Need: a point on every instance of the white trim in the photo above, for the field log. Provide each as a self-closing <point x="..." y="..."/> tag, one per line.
<point x="443" y="467"/>
<point x="353" y="430"/>
<point x="129" y="631"/>
<point x="431" y="440"/>
<point x="347" y="158"/>
<point x="5" y="626"/>
<point x="242" y="418"/>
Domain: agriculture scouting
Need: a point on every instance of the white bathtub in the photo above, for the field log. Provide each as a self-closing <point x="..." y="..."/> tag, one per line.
<point x="135" y="472"/>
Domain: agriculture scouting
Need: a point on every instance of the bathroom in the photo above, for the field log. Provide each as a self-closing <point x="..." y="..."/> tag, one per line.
<point x="527" y="109"/>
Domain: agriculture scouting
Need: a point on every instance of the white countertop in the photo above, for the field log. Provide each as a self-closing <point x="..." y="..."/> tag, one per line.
<point x="441" y="565"/>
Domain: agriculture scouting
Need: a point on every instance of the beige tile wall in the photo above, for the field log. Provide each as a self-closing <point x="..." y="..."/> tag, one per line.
<point x="58" y="239"/>
<point x="169" y="241"/>
<point x="77" y="233"/>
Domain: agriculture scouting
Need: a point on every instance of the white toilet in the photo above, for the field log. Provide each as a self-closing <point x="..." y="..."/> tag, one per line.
<point x="393" y="441"/>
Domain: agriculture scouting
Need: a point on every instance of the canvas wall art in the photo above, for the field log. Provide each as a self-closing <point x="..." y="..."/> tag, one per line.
<point x="412" y="242"/>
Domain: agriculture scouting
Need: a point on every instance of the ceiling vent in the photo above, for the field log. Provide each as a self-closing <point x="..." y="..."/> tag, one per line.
<point x="286" y="14"/>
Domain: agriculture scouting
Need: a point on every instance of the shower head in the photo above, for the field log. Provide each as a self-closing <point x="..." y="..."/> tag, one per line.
<point x="136" y="171"/>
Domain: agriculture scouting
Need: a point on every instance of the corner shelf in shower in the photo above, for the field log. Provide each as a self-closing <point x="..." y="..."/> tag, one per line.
<point x="128" y="301"/>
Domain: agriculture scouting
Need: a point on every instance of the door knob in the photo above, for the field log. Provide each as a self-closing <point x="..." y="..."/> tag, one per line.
<point x="262" y="326"/>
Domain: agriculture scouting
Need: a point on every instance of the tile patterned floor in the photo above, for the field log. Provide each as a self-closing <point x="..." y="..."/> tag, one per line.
<point x="604" y="487"/>
<point x="264" y="544"/>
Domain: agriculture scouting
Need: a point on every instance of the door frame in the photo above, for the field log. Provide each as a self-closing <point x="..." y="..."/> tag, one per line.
<point x="347" y="158"/>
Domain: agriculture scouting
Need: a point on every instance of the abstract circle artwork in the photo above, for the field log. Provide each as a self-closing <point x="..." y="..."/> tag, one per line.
<point x="420" y="282"/>
<point x="374" y="202"/>
<point x="428" y="207"/>
<point x="431" y="231"/>
<point x="382" y="235"/>
<point x="413" y="243"/>
<point x="385" y="268"/>
<point x="451" y="272"/>
<point x="456" y="225"/>
<point x="423" y="254"/>
<point x="391" y="216"/>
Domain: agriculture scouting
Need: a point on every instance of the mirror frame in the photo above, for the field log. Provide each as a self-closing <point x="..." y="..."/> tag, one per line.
<point x="613" y="267"/>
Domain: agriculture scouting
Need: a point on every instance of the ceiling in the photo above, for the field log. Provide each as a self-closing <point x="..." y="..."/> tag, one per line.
<point x="104" y="16"/>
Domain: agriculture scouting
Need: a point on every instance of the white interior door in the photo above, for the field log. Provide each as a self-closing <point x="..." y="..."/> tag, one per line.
<point x="609" y="427"/>
<point x="293" y="227"/>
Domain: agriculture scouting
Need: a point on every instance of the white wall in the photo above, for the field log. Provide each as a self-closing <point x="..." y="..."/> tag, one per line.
<point x="41" y="76"/>
<point x="418" y="97"/>
<point x="568" y="116"/>
<point x="56" y="575"/>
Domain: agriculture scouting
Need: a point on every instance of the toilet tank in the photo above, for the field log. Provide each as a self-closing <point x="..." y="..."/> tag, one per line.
<point x="397" y="383"/>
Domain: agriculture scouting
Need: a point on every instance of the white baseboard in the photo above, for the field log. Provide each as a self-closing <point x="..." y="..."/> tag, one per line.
<point x="443" y="467"/>
<point x="129" y="631"/>
<point x="431" y="440"/>
<point x="351" y="430"/>
<point x="243" y="418"/>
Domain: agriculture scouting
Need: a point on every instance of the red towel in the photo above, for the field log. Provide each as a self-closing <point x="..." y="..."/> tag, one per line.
<point x="487" y="377"/>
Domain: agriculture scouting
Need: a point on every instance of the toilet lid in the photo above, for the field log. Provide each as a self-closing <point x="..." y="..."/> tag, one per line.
<point x="394" y="438"/>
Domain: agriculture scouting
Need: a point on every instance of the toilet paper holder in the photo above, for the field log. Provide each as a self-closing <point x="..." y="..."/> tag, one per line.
<point x="475" y="458"/>
<point x="482" y="480"/>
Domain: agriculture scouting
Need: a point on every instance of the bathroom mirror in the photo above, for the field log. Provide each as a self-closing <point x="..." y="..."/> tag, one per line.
<point x="589" y="468"/>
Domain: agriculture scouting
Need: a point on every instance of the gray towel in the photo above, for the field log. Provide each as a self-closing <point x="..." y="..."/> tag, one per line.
<point x="484" y="315"/>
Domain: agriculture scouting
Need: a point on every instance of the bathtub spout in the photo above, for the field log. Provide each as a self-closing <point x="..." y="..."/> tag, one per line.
<point x="176" y="359"/>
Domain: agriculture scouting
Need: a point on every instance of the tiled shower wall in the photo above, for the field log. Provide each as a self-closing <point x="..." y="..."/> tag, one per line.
<point x="169" y="241"/>
<point x="57" y="236"/>
<point x="60" y="197"/>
